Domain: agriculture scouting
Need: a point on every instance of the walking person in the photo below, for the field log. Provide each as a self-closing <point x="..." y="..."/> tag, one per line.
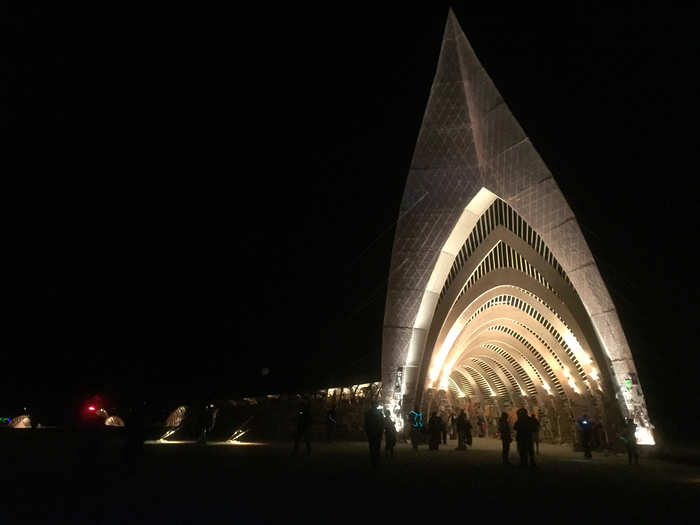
<point x="374" y="428"/>
<point x="523" y="436"/>
<point x="535" y="432"/>
<point x="331" y="419"/>
<point x="415" y="418"/>
<point x="443" y="430"/>
<point x="596" y="436"/>
<point x="468" y="432"/>
<point x="389" y="435"/>
<point x="506" y="439"/>
<point x="585" y="428"/>
<point x="435" y="430"/>
<point x="453" y="425"/>
<point x="631" y="441"/>
<point x="303" y="427"/>
<point x="463" y="429"/>
<point x="481" y="425"/>
<point x="210" y="413"/>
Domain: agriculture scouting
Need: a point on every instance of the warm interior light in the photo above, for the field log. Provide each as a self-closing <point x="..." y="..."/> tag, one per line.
<point x="91" y="408"/>
<point x="644" y="436"/>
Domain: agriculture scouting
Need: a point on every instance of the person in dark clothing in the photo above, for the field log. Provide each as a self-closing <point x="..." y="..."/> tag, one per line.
<point x="585" y="427"/>
<point x="453" y="425"/>
<point x="435" y="426"/>
<point x="481" y="425"/>
<point x="464" y="429"/>
<point x="389" y="435"/>
<point x="506" y="439"/>
<point x="415" y="418"/>
<point x="90" y="427"/>
<point x="523" y="428"/>
<point x="596" y="428"/>
<point x="535" y="432"/>
<point x="443" y="430"/>
<point x="303" y="427"/>
<point x="209" y="420"/>
<point x="374" y="428"/>
<point x="199" y="419"/>
<point x="331" y="420"/>
<point x="631" y="441"/>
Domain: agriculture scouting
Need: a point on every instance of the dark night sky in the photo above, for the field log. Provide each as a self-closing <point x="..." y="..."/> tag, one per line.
<point x="202" y="194"/>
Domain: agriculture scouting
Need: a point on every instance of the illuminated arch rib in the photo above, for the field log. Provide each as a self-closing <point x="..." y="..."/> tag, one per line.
<point x="465" y="382"/>
<point x="507" y="372"/>
<point x="500" y="214"/>
<point x="524" y="376"/>
<point x="503" y="256"/>
<point x="515" y="321"/>
<point x="499" y="387"/>
<point x="487" y="389"/>
<point x="533" y="352"/>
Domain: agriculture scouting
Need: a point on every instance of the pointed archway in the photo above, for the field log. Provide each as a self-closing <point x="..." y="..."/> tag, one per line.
<point x="493" y="292"/>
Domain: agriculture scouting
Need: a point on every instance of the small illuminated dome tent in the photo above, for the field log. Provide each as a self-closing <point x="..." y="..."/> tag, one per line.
<point x="114" y="421"/>
<point x="494" y="298"/>
<point x="174" y="421"/>
<point x="176" y="417"/>
<point x="23" y="421"/>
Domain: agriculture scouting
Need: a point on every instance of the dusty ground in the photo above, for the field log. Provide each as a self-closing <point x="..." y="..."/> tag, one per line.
<point x="188" y="483"/>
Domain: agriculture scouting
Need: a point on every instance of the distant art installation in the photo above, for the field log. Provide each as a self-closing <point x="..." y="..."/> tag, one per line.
<point x="22" y="421"/>
<point x="494" y="298"/>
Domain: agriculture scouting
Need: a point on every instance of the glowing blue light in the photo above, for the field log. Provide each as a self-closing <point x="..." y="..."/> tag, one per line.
<point x="417" y="418"/>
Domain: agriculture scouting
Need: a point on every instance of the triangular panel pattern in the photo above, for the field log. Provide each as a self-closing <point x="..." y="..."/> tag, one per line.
<point x="470" y="140"/>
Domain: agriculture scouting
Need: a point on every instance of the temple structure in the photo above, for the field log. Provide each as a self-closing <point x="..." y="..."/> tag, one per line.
<point x="494" y="299"/>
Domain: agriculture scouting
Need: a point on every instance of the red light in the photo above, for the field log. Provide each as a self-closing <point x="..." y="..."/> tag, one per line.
<point x="91" y="408"/>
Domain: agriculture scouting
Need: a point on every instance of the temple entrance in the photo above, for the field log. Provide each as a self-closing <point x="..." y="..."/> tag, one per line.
<point x="494" y="297"/>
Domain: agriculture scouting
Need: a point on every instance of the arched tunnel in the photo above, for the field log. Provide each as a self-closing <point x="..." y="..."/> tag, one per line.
<point x="510" y="330"/>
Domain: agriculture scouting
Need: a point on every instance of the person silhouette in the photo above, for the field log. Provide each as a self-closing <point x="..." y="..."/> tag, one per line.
<point x="481" y="425"/>
<point x="374" y="428"/>
<point x="453" y="425"/>
<point x="435" y="426"/>
<point x="303" y="427"/>
<point x="415" y="418"/>
<point x="585" y="428"/>
<point x="631" y="441"/>
<point x="331" y="420"/>
<point x="535" y="432"/>
<point x="443" y="429"/>
<point x="523" y="428"/>
<point x="389" y="435"/>
<point x="506" y="439"/>
<point x="464" y="429"/>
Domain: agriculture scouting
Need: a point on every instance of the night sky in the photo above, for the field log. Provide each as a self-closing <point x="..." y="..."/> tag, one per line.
<point x="199" y="195"/>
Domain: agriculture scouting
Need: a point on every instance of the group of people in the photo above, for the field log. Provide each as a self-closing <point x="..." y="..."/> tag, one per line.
<point x="379" y="424"/>
<point x="527" y="437"/>
<point x="460" y="427"/>
<point x="527" y="429"/>
<point x="586" y="430"/>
